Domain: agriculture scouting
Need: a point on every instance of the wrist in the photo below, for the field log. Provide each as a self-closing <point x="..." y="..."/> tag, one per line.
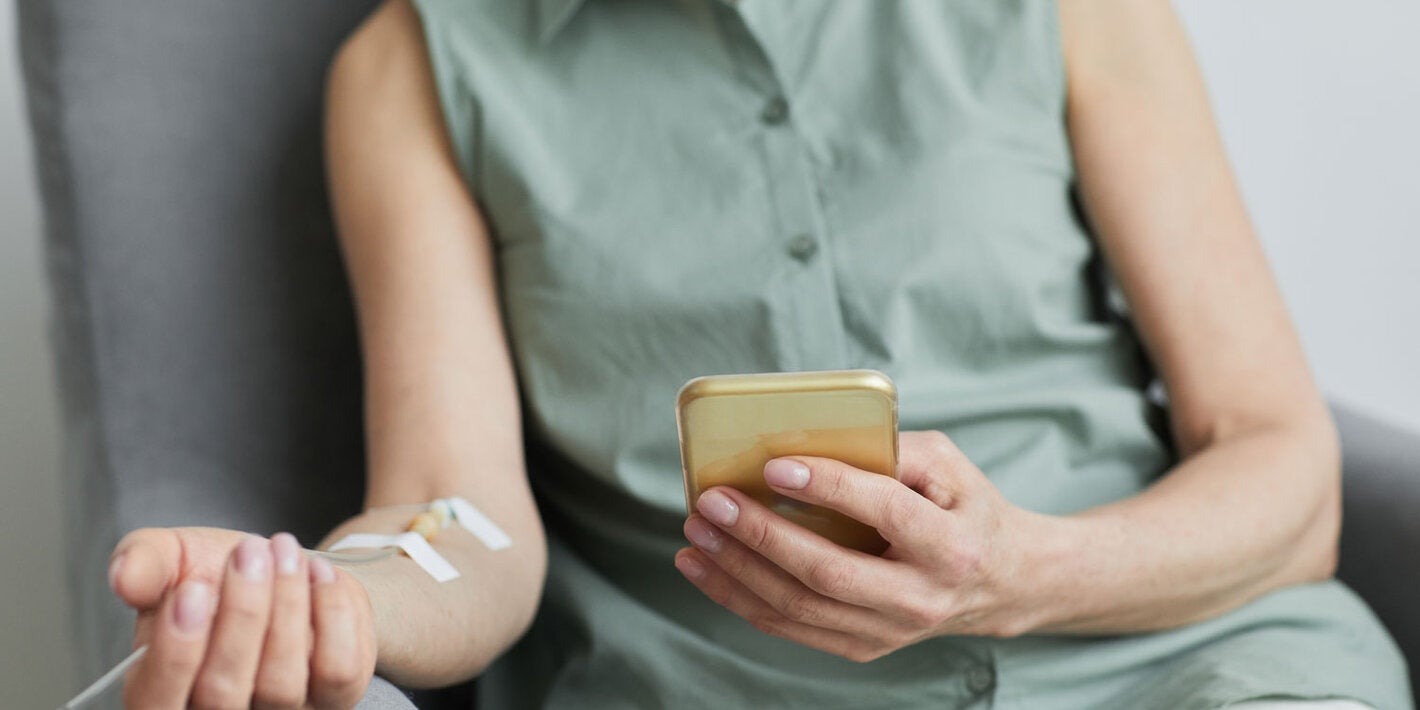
<point x="1049" y="563"/>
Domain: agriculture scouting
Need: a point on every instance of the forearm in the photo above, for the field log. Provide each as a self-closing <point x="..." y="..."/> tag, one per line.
<point x="432" y="634"/>
<point x="1238" y="518"/>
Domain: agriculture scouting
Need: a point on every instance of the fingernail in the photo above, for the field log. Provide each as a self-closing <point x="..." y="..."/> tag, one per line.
<point x="193" y="608"/>
<point x="287" y="553"/>
<point x="718" y="508"/>
<point x="705" y="536"/>
<point x="253" y="559"/>
<point x="786" y="473"/>
<point x="114" y="568"/>
<point x="689" y="567"/>
<point x="321" y="571"/>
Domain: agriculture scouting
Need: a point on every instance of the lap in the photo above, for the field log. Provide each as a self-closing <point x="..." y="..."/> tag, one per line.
<point x="1303" y="705"/>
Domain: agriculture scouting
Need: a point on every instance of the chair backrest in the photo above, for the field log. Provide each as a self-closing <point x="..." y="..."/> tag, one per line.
<point x="209" y="366"/>
<point x="1380" y="529"/>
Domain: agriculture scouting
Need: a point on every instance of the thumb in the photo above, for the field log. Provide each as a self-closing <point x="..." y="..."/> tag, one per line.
<point x="144" y="566"/>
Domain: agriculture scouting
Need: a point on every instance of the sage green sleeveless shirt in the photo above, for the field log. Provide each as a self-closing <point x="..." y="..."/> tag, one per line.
<point x="689" y="187"/>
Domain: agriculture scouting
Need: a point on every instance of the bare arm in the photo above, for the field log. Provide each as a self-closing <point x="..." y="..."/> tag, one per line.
<point x="233" y="620"/>
<point x="442" y="407"/>
<point x="1255" y="503"/>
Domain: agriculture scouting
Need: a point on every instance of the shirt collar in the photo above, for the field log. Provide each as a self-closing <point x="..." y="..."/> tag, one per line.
<point x="553" y="15"/>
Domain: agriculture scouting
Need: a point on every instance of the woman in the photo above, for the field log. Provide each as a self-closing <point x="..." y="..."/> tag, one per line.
<point x="642" y="191"/>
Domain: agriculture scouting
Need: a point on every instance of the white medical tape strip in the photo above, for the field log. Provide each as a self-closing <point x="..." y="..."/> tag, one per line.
<point x="413" y="545"/>
<point x="474" y="521"/>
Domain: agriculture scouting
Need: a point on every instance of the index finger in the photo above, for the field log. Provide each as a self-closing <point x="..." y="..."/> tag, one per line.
<point x="900" y="514"/>
<point x="163" y="679"/>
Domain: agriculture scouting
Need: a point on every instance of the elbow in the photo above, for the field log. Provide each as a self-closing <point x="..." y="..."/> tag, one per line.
<point x="1326" y="564"/>
<point x="502" y="617"/>
<point x="530" y="597"/>
<point x="1326" y="527"/>
<point x="524" y="597"/>
<point x="1307" y="446"/>
<point x="1322" y="535"/>
<point x="1323" y="553"/>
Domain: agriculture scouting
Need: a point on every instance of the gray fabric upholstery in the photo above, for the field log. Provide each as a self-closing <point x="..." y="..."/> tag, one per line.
<point x="208" y="358"/>
<point x="1380" y="535"/>
<point x="383" y="696"/>
<point x="209" y="367"/>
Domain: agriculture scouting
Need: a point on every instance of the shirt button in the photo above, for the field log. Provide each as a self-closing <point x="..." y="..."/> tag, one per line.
<point x="775" y="112"/>
<point x="803" y="247"/>
<point x="979" y="679"/>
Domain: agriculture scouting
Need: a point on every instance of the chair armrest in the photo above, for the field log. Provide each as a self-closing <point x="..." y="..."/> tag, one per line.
<point x="1380" y="532"/>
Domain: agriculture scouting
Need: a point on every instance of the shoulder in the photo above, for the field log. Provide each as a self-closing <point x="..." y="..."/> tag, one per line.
<point x="380" y="90"/>
<point x="1121" y="43"/>
<point x="386" y="50"/>
<point x="444" y="38"/>
<point x="381" y="80"/>
<point x="1113" y="15"/>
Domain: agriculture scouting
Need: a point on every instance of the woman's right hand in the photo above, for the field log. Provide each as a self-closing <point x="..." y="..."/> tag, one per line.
<point x="233" y="621"/>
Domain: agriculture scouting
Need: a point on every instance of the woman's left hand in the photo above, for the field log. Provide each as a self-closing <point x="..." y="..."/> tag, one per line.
<point x="954" y="564"/>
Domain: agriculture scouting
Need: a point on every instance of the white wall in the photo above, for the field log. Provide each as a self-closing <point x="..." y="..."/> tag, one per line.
<point x="34" y="632"/>
<point x="1320" y="105"/>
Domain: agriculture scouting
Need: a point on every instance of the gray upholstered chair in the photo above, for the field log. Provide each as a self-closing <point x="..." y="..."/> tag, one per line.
<point x="207" y="346"/>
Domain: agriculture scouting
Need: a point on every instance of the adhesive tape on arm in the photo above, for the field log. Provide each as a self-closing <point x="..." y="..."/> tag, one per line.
<point x="412" y="543"/>
<point x="474" y="521"/>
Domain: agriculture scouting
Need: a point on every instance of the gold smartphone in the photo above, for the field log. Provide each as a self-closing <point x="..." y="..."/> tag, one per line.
<point x="731" y="425"/>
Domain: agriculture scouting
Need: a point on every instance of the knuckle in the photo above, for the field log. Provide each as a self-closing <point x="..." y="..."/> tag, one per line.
<point x="768" y="623"/>
<point x="900" y="639"/>
<point x="279" y="698"/>
<point x="901" y="511"/>
<point x="291" y="595"/>
<point x="717" y="592"/>
<point x="832" y="577"/>
<point x="938" y="439"/>
<point x="177" y="665"/>
<point x="760" y="533"/>
<point x="925" y="614"/>
<point x="967" y="561"/>
<point x="246" y="609"/>
<point x="865" y="653"/>
<point x="280" y="688"/>
<point x="335" y="672"/>
<point x="217" y="691"/>
<point x="1009" y="629"/>
<point x="733" y="561"/>
<point x="836" y="485"/>
<point x="802" y="606"/>
<point x="942" y="446"/>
